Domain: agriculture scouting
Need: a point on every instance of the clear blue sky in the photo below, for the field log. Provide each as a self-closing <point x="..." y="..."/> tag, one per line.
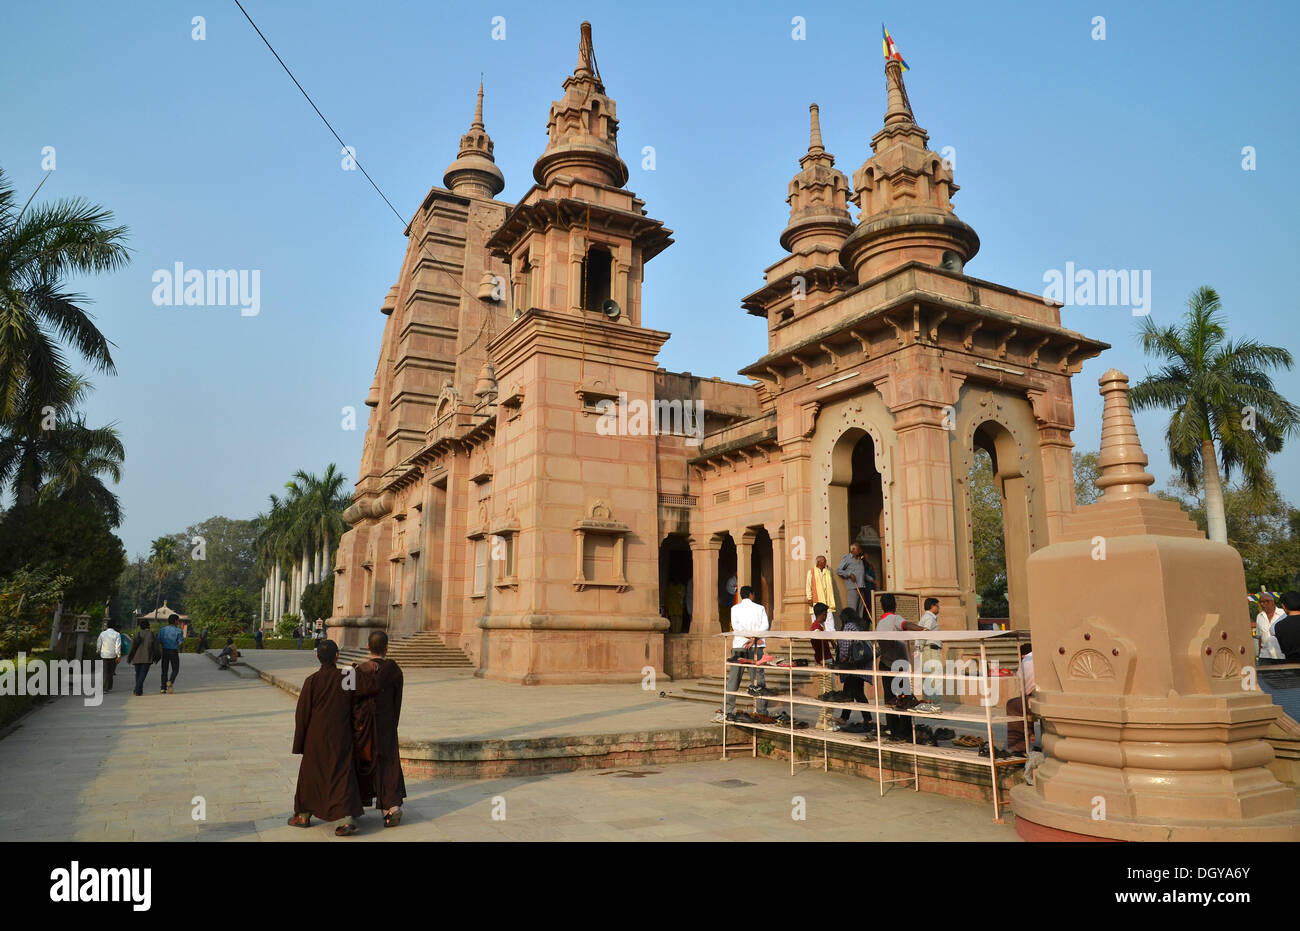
<point x="1122" y="153"/>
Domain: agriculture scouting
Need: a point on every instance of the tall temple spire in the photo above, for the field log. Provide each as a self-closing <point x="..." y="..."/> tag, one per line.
<point x="475" y="172"/>
<point x="905" y="191"/>
<point x="582" y="128"/>
<point x="899" y="109"/>
<point x="818" y="196"/>
<point x="815" y="131"/>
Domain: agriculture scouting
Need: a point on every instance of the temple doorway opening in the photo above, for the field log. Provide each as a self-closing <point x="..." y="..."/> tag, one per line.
<point x="856" y="501"/>
<point x="675" y="582"/>
<point x="728" y="591"/>
<point x="999" y="524"/>
<point x="760" y="569"/>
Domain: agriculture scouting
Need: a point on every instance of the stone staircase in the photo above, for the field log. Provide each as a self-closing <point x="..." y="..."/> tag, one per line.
<point x="425" y="650"/>
<point x="709" y="689"/>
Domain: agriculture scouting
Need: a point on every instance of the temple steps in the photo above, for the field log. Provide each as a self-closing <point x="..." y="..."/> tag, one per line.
<point x="425" y="650"/>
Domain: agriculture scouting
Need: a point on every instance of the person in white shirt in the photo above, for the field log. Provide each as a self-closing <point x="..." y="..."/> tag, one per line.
<point x="747" y="618"/>
<point x="1266" y="645"/>
<point x="109" y="650"/>
<point x="925" y="650"/>
<point x="1016" y="706"/>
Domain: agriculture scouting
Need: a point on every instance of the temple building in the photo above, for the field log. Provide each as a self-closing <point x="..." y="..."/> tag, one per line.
<point x="536" y="489"/>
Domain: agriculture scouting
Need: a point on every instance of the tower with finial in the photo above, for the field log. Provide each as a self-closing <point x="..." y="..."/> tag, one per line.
<point x="579" y="239"/>
<point x="905" y="193"/>
<point x="576" y="477"/>
<point x="819" y="224"/>
<point x="917" y="364"/>
<point x="1144" y="665"/>
<point x="474" y="172"/>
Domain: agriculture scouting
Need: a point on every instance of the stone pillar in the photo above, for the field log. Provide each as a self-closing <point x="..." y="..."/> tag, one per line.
<point x="1154" y="726"/>
<point x="744" y="557"/>
<point x="922" y="504"/>
<point x="704" y="608"/>
<point x="1054" y="413"/>
<point x="779" y="614"/>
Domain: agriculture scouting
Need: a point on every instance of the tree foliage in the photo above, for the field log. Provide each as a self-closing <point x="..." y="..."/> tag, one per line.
<point x="1262" y="526"/>
<point x="1225" y="408"/>
<point x="1086" y="471"/>
<point x="73" y="542"/>
<point x="28" y="598"/>
<point x="224" y="611"/>
<point x="318" y="600"/>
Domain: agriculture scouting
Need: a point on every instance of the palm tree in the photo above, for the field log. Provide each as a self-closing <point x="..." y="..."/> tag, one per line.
<point x="1221" y="396"/>
<point x="273" y="551"/>
<point x="322" y="501"/>
<point x="60" y="457"/>
<point x="165" y="560"/>
<point x="295" y="545"/>
<point x="38" y="249"/>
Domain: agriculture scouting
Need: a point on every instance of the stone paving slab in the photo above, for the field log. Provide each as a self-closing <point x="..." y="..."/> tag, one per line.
<point x="451" y="704"/>
<point x="130" y="769"/>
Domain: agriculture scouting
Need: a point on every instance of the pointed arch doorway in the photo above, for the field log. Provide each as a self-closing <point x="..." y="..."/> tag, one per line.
<point x="856" y="502"/>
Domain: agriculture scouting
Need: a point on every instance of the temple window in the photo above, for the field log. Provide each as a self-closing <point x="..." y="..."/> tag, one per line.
<point x="597" y="277"/>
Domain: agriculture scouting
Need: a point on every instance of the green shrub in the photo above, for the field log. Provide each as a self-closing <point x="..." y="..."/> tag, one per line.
<point x="13" y="706"/>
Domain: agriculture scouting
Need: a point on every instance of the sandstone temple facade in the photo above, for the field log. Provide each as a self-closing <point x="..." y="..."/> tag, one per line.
<point x="535" y="488"/>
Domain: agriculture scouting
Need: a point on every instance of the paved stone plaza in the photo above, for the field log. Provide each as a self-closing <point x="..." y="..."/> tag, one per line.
<point x="131" y="768"/>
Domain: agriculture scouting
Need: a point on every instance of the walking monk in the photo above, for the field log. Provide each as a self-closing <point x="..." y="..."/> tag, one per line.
<point x="327" y="779"/>
<point x="378" y="707"/>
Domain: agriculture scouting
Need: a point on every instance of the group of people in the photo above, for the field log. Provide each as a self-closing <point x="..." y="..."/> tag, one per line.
<point x="146" y="648"/>
<point x="1277" y="629"/>
<point x="910" y="692"/>
<point x="141" y="651"/>
<point x="346" y="730"/>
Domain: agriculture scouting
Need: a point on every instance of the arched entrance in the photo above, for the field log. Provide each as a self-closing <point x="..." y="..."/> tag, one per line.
<point x="675" y="576"/>
<point x="1012" y="487"/>
<point x="727" y="581"/>
<point x="856" y="501"/>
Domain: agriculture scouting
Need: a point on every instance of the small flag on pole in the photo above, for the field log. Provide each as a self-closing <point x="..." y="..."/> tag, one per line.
<point x="889" y="48"/>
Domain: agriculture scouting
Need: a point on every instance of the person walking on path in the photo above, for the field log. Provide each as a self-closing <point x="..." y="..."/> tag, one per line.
<point x="170" y="638"/>
<point x="145" y="651"/>
<point x="203" y="642"/>
<point x="258" y="637"/>
<point x="109" y="650"/>
<point x="297" y="635"/>
<point x="327" y="777"/>
<point x="378" y="706"/>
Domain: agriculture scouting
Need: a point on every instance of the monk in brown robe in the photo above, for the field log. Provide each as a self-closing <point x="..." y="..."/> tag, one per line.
<point x="327" y="778"/>
<point x="377" y="709"/>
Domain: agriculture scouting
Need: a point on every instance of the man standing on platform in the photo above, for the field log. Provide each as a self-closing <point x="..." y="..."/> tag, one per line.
<point x="748" y="617"/>
<point x="378" y="708"/>
<point x="820" y="588"/>
<point x="853" y="570"/>
<point x="327" y="776"/>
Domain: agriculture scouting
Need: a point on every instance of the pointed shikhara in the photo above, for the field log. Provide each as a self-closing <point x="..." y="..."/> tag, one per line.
<point x="1154" y="729"/>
